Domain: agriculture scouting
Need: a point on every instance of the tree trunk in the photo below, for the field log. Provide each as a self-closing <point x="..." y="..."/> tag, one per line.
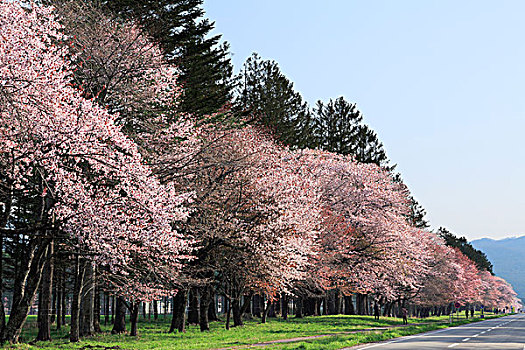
<point x="88" y="301"/>
<point x="237" y="316"/>
<point x="193" y="309"/>
<point x="113" y="306"/>
<point x="267" y="304"/>
<point x="317" y="307"/>
<point x="2" y="311"/>
<point x="119" y="325"/>
<point x="96" y="310"/>
<point x="80" y="269"/>
<point x="63" y="301"/>
<point x="54" y="303"/>
<point x="338" y="303"/>
<point x="8" y="201"/>
<point x="311" y="307"/>
<point x="284" y="306"/>
<point x="155" y="310"/>
<point x="349" y="305"/>
<point x="178" y="320"/>
<point x="299" y="308"/>
<point x="386" y="309"/>
<point x="144" y="310"/>
<point x="106" y="308"/>
<point x="24" y="293"/>
<point x="135" y="306"/>
<point x="228" y="312"/>
<point x="330" y="308"/>
<point x="44" y="299"/>
<point x="204" y="306"/>
<point x="256" y="311"/>
<point x="58" y="289"/>
<point x="358" y="309"/>
<point x="271" y="309"/>
<point x="246" y="304"/>
<point x="212" y="309"/>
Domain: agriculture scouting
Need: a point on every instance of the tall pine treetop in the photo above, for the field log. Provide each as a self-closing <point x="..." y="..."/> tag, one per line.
<point x="338" y="127"/>
<point x="477" y="256"/>
<point x="181" y="30"/>
<point x="266" y="93"/>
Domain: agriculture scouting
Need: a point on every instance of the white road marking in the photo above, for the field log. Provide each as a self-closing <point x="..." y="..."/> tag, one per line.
<point x="422" y="335"/>
<point x="406" y="338"/>
<point x="466" y="339"/>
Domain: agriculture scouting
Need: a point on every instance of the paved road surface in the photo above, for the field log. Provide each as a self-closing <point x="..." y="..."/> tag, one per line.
<point x="498" y="334"/>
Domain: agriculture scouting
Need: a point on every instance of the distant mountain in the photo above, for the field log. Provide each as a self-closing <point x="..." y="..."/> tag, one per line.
<point x="508" y="257"/>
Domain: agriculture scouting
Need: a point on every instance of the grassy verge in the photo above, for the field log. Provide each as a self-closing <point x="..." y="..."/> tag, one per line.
<point x="153" y="334"/>
<point x="343" y="341"/>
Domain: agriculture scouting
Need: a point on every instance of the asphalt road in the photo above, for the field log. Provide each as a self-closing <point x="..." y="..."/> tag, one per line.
<point x="501" y="333"/>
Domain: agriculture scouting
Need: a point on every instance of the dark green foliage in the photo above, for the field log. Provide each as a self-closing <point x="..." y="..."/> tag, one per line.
<point x="417" y="214"/>
<point x="416" y="217"/>
<point x="338" y="127"/>
<point x="477" y="256"/>
<point x="265" y="93"/>
<point x="181" y="31"/>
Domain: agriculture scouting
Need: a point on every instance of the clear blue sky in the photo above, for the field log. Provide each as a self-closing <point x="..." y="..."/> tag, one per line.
<point x="442" y="82"/>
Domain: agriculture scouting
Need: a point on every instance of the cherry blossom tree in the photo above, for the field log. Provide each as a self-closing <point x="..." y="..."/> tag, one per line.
<point x="497" y="293"/>
<point x="255" y="215"/>
<point x="440" y="280"/>
<point x="363" y="224"/>
<point x="117" y="66"/>
<point x="92" y="182"/>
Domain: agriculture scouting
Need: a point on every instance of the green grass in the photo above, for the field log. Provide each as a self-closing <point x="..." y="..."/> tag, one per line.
<point x="343" y="341"/>
<point x="153" y="334"/>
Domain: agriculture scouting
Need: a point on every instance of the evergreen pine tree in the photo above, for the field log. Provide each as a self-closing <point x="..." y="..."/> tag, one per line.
<point x="416" y="217"/>
<point x="179" y="28"/>
<point x="417" y="214"/>
<point x="477" y="256"/>
<point x="338" y="127"/>
<point x="264" y="92"/>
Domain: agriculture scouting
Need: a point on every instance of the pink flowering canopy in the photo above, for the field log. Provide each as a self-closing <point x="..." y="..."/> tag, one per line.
<point x="287" y="215"/>
<point x="103" y="193"/>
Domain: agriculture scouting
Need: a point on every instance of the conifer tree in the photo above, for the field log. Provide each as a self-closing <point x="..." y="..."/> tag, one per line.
<point x="264" y="92"/>
<point x="417" y="214"/>
<point x="476" y="255"/>
<point x="181" y="30"/>
<point x="338" y="127"/>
